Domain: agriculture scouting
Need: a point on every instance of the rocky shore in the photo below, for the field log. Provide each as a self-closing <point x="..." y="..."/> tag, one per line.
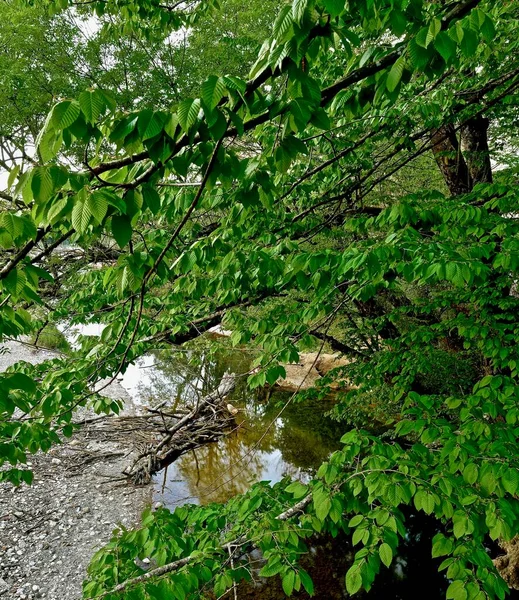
<point x="50" y="530"/>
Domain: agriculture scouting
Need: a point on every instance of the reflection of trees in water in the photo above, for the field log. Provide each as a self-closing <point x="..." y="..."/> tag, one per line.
<point x="217" y="473"/>
<point x="304" y="437"/>
<point x="179" y="377"/>
<point x="265" y="446"/>
<point x="171" y="379"/>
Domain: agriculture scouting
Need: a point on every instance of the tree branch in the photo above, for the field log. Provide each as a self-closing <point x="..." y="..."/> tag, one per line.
<point x="12" y="264"/>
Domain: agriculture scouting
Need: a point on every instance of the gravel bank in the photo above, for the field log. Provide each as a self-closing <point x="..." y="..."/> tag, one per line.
<point x="49" y="531"/>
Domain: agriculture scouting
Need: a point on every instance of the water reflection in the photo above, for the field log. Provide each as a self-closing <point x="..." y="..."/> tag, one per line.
<point x="275" y="438"/>
<point x="272" y="439"/>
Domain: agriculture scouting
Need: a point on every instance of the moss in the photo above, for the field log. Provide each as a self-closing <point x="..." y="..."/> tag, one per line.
<point x="51" y="337"/>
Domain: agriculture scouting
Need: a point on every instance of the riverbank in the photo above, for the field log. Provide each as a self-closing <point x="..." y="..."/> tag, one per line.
<point x="49" y="531"/>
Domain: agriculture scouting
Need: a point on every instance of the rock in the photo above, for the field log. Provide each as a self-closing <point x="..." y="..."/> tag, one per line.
<point x="311" y="367"/>
<point x="327" y="362"/>
<point x="508" y="564"/>
<point x="298" y="377"/>
<point x="4" y="586"/>
<point x="44" y="547"/>
<point x="219" y="331"/>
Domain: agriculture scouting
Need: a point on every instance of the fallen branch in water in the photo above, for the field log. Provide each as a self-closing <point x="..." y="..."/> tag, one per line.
<point x="205" y="423"/>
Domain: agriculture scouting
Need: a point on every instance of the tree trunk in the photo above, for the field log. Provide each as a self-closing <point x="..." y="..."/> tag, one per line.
<point x="450" y="160"/>
<point x="474" y="143"/>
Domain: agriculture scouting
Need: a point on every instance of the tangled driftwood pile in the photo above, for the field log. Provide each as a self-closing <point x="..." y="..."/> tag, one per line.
<point x="206" y="422"/>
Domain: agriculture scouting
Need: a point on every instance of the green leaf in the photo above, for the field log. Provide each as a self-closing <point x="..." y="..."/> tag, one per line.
<point x="398" y="21"/>
<point x="188" y="113"/>
<point x="97" y="205"/>
<point x="470" y="473"/>
<point x="92" y="103"/>
<point x="283" y="159"/>
<point x="121" y="230"/>
<point x="445" y="46"/>
<point x="288" y="582"/>
<point x="297" y="489"/>
<point x="510" y="480"/>
<point x="15" y="282"/>
<point x="41" y="184"/>
<point x="81" y="216"/>
<point x="49" y="144"/>
<point x="470" y="43"/>
<point x="357" y="536"/>
<point x="460" y="525"/>
<point x="151" y="199"/>
<point x="488" y="29"/>
<point x="13" y="174"/>
<point x="64" y="114"/>
<point x="428" y="504"/>
<point x="234" y="83"/>
<point x="273" y="567"/>
<point x="356" y="520"/>
<point x="334" y="7"/>
<point x="435" y="27"/>
<point x="219" y="126"/>
<point x="456" y="32"/>
<point x="298" y="9"/>
<point x="283" y="22"/>
<point x="395" y="74"/>
<point x="421" y="37"/>
<point x="133" y="201"/>
<point x="124" y="127"/>
<point x="213" y="90"/>
<point x="18" y="381"/>
<point x="457" y="591"/>
<point x="386" y="554"/>
<point x="441" y="545"/>
<point x="307" y="582"/>
<point x="418" y="55"/>
<point x="353" y="580"/>
<point x="322" y="503"/>
<point x="320" y="119"/>
<point x="12" y="223"/>
<point x="149" y="124"/>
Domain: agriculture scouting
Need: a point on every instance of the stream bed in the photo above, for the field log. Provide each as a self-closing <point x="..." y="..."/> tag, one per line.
<point x="277" y="436"/>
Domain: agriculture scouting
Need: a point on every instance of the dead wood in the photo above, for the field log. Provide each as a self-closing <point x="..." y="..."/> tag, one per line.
<point x="206" y="422"/>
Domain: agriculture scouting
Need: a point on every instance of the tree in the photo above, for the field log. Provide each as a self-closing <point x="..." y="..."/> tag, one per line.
<point x="286" y="184"/>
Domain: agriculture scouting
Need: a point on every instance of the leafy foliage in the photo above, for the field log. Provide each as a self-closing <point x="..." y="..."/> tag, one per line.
<point x="284" y="185"/>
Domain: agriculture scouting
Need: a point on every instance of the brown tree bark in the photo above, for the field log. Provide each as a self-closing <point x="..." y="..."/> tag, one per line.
<point x="450" y="160"/>
<point x="474" y="144"/>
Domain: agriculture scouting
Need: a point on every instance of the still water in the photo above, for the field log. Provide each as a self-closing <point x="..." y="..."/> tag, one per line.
<point x="277" y="436"/>
<point x="274" y="437"/>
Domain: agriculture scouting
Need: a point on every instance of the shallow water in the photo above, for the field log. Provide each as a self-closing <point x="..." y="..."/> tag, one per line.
<point x="277" y="436"/>
<point x="274" y="437"/>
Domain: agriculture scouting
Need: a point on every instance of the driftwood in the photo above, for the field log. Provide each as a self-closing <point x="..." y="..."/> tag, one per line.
<point x="206" y="422"/>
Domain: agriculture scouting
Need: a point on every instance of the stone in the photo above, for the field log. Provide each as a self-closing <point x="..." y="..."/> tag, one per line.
<point x="306" y="373"/>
